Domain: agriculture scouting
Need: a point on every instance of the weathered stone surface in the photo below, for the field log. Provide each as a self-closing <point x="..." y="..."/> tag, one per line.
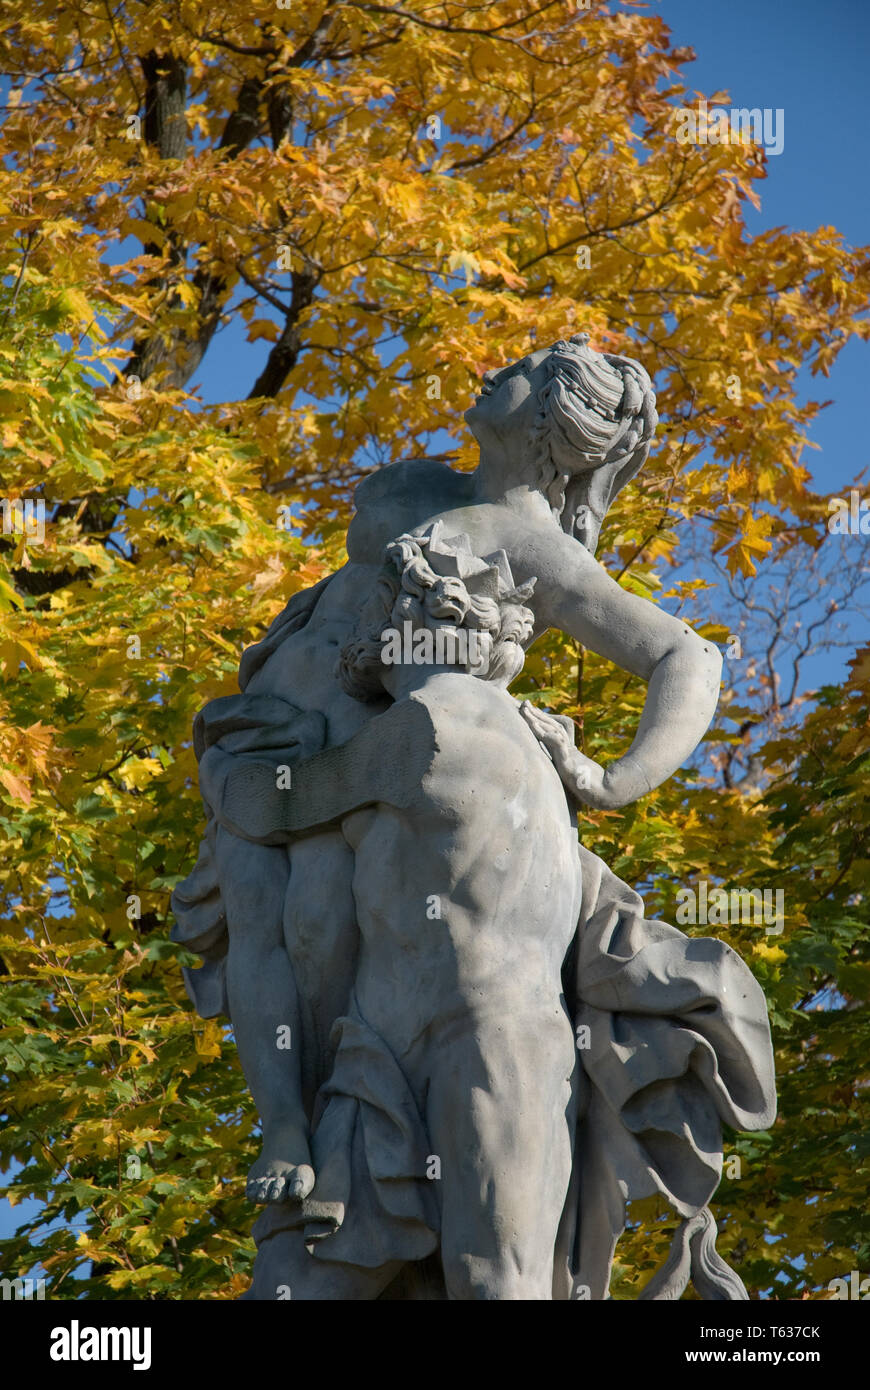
<point x="467" y="1045"/>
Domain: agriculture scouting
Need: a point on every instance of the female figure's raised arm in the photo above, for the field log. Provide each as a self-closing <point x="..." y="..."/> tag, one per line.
<point x="682" y="669"/>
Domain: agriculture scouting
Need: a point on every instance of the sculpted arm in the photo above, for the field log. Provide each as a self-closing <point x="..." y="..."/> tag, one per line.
<point x="682" y="671"/>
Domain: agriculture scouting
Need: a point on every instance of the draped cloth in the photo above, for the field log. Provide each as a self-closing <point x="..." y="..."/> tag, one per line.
<point x="372" y="1202"/>
<point x="201" y="927"/>
<point x="226" y="728"/>
<point x="673" y="1042"/>
<point x="678" y="1044"/>
<point x="238" y="722"/>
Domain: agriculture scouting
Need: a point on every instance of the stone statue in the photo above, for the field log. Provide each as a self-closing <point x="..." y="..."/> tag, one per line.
<point x="467" y="1046"/>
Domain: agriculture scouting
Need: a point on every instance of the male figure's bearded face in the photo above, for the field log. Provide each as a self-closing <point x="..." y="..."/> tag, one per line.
<point x="447" y="601"/>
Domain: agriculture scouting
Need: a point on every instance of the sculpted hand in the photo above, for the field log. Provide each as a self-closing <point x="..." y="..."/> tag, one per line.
<point x="604" y="789"/>
<point x="583" y="778"/>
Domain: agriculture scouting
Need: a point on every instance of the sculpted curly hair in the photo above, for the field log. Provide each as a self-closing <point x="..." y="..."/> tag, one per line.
<point x="596" y="419"/>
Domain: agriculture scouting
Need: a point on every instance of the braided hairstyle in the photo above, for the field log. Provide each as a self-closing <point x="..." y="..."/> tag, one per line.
<point x="596" y="418"/>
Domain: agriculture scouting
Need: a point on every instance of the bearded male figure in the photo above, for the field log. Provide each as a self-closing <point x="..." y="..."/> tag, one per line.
<point x="675" y="1032"/>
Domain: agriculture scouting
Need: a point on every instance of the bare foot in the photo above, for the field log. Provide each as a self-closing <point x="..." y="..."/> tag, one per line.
<point x="283" y="1172"/>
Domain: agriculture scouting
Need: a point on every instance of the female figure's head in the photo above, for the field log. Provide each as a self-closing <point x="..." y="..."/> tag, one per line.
<point x="470" y="615"/>
<point x="578" y="421"/>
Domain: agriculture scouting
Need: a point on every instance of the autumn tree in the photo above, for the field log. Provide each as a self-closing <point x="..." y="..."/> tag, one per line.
<point x="391" y="198"/>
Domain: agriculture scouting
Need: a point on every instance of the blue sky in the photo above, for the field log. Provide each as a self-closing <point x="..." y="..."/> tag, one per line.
<point x="811" y="60"/>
